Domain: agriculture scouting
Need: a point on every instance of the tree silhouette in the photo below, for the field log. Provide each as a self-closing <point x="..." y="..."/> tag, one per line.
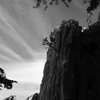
<point x="92" y="4"/>
<point x="4" y="81"/>
<point x="12" y="97"/>
<point x="50" y="43"/>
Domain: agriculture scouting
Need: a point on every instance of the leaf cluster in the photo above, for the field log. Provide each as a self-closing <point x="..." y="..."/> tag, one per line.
<point x="92" y="4"/>
<point x="50" y="43"/>
<point x="51" y="2"/>
<point x="4" y="81"/>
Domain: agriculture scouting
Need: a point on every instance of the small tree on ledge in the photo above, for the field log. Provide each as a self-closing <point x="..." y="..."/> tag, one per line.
<point x="49" y="43"/>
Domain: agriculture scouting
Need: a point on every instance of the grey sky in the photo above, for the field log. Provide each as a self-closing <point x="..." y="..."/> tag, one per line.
<point x="22" y="29"/>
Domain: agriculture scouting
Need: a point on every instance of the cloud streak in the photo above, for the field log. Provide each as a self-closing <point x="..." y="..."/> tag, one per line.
<point x="10" y="52"/>
<point x="17" y="39"/>
<point x="21" y="32"/>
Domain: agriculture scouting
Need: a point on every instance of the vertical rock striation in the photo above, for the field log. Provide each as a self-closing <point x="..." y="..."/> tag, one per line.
<point x="73" y="72"/>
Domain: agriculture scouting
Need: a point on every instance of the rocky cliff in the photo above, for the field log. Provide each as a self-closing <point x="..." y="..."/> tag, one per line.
<point x="72" y="72"/>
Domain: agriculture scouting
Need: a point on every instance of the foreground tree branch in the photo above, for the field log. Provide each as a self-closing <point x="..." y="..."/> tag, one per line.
<point x="92" y="4"/>
<point x="4" y="81"/>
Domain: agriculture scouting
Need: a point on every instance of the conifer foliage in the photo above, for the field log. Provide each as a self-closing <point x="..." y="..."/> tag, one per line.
<point x="4" y="81"/>
<point x="92" y="4"/>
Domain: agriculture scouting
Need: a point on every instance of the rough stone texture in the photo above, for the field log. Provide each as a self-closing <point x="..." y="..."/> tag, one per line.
<point x="74" y="72"/>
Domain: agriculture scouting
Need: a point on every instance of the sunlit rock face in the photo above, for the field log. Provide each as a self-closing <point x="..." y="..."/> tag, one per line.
<point x="73" y="71"/>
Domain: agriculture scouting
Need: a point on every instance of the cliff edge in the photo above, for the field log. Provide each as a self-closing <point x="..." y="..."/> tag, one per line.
<point x="72" y="72"/>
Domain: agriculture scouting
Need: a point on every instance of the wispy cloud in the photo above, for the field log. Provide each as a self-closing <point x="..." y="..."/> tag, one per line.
<point x="21" y="31"/>
<point x="14" y="34"/>
<point x="10" y="52"/>
<point x="21" y="48"/>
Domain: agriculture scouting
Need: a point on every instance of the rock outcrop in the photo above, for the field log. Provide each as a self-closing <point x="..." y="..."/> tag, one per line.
<point x="73" y="72"/>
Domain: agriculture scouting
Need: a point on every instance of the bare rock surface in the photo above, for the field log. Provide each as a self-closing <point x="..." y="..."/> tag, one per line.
<point x="73" y="72"/>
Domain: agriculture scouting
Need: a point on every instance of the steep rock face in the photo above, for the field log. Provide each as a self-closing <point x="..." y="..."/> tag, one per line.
<point x="73" y="72"/>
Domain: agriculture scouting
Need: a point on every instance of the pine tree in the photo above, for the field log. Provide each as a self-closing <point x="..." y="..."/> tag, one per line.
<point x="4" y="81"/>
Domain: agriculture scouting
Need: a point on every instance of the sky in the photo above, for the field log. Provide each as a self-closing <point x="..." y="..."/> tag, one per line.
<point x="22" y="29"/>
